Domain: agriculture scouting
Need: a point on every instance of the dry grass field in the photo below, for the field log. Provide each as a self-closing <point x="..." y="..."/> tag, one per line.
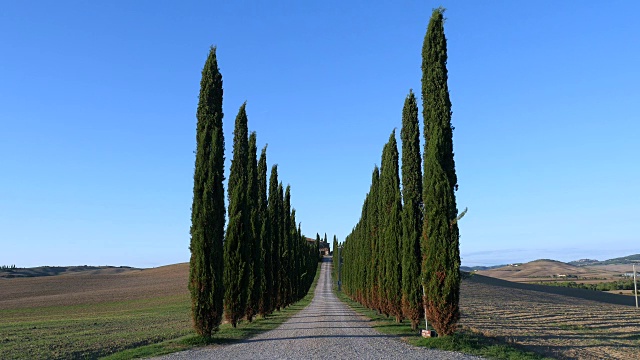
<point x="93" y="287"/>
<point x="565" y="327"/>
<point x="92" y="314"/>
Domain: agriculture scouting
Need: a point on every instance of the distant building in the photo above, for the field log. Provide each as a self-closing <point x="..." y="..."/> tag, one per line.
<point x="324" y="246"/>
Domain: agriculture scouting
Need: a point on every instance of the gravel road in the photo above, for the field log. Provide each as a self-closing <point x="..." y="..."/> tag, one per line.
<point x="326" y="329"/>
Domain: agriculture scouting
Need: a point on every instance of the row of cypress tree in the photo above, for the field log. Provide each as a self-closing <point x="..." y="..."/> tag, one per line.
<point x="402" y="257"/>
<point x="262" y="262"/>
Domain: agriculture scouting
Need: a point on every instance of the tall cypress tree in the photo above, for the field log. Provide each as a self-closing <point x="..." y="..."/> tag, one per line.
<point x="293" y="256"/>
<point x="264" y="305"/>
<point x="285" y="264"/>
<point x="391" y="206"/>
<point x="254" y="246"/>
<point x="318" y="247"/>
<point x="363" y="254"/>
<point x="207" y="210"/>
<point x="282" y="242"/>
<point x="411" y="212"/>
<point x="373" y="236"/>
<point x="334" y="258"/>
<point x="274" y="252"/>
<point x="440" y="239"/>
<point x="238" y="235"/>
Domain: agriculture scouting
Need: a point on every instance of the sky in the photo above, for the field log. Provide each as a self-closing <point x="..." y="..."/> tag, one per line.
<point x="98" y="103"/>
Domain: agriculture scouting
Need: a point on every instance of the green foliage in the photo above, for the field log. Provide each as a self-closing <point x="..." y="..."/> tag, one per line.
<point x="440" y="241"/>
<point x="390" y="204"/>
<point x="264" y="305"/>
<point x="255" y="263"/>
<point x="274" y="251"/>
<point x="334" y="259"/>
<point x="282" y="242"/>
<point x="238" y="235"/>
<point x="286" y="250"/>
<point x="318" y="247"/>
<point x="604" y="286"/>
<point x="411" y="212"/>
<point x="207" y="210"/>
<point x="371" y="237"/>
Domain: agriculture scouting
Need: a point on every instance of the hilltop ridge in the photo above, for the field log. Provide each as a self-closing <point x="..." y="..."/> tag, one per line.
<point x="39" y="271"/>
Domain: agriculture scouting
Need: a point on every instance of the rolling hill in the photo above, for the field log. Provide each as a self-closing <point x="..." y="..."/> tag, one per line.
<point x="549" y="270"/>
<point x="625" y="260"/>
<point x="10" y="273"/>
<point x="94" y="286"/>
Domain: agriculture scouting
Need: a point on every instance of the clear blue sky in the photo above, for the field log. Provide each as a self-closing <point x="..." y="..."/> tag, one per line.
<point x="98" y="101"/>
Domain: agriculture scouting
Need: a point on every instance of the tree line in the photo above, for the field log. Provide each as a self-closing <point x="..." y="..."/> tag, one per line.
<point x="603" y="286"/>
<point x="261" y="262"/>
<point x="402" y="257"/>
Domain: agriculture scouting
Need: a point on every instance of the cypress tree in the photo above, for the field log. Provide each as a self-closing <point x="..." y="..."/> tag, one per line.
<point x="286" y="249"/>
<point x="274" y="216"/>
<point x="283" y="246"/>
<point x="207" y="210"/>
<point x="334" y="259"/>
<point x="266" y="280"/>
<point x="254" y="246"/>
<point x="372" y="227"/>
<point x="411" y="212"/>
<point x="362" y="255"/>
<point x="238" y="235"/>
<point x="440" y="239"/>
<point x="318" y="247"/>
<point x="391" y="206"/>
<point x="294" y="271"/>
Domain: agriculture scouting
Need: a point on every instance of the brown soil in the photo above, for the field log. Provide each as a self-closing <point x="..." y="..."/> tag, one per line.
<point x="93" y="287"/>
<point x="552" y="323"/>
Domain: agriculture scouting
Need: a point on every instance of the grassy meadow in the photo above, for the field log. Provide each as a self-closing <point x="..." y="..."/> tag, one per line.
<point x="118" y="316"/>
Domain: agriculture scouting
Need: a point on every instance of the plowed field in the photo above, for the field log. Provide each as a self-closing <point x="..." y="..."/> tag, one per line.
<point x="586" y="325"/>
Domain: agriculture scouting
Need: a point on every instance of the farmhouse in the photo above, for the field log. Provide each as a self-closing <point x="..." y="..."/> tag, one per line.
<point x="324" y="246"/>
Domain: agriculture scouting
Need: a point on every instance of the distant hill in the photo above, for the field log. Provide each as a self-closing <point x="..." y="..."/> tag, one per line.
<point x="548" y="270"/>
<point x="625" y="260"/>
<point x="476" y="268"/>
<point x="61" y="270"/>
<point x="98" y="284"/>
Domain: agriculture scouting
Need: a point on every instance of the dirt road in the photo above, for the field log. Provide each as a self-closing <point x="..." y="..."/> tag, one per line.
<point x="326" y="329"/>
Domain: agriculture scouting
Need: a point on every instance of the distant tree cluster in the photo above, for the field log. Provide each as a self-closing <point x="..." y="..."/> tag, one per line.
<point x="402" y="257"/>
<point x="262" y="262"/>
<point x="603" y="286"/>
<point x="5" y="267"/>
